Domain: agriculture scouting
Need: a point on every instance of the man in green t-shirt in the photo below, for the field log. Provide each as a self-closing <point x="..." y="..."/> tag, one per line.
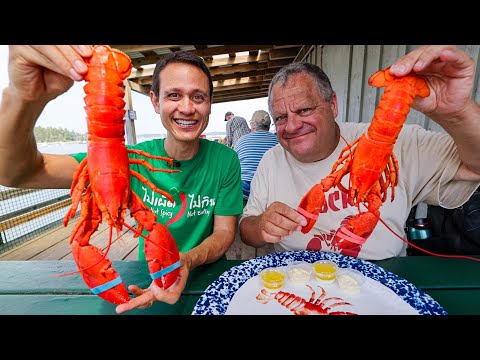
<point x="181" y="94"/>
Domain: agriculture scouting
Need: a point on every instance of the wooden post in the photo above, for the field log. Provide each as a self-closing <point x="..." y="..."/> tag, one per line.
<point x="130" y="115"/>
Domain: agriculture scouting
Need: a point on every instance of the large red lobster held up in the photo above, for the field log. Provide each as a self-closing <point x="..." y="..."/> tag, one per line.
<point x="370" y="161"/>
<point x="102" y="184"/>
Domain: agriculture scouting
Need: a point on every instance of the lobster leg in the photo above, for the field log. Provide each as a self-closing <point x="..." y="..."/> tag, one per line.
<point x="161" y="250"/>
<point x="94" y="266"/>
<point x="80" y="178"/>
<point x="313" y="201"/>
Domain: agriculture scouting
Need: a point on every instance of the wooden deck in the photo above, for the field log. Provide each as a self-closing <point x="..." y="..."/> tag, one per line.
<point x="55" y="245"/>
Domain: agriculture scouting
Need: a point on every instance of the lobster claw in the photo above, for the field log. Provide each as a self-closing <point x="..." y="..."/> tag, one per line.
<point x="98" y="273"/>
<point x="162" y="256"/>
<point x="311" y="205"/>
<point x="161" y="251"/>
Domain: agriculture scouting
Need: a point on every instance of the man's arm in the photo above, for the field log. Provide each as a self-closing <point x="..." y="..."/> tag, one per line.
<point x="216" y="245"/>
<point x="464" y="128"/>
<point x="37" y="75"/>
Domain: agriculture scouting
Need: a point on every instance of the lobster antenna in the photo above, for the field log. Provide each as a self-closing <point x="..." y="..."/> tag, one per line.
<point x="98" y="262"/>
<point x="145" y="237"/>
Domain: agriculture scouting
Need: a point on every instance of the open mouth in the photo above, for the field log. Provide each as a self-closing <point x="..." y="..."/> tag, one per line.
<point x="186" y="123"/>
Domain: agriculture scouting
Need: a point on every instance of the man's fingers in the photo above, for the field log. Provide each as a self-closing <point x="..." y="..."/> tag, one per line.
<point x="62" y="59"/>
<point x="143" y="301"/>
<point x="295" y="216"/>
<point x="279" y="221"/>
<point x="286" y="217"/>
<point x="269" y="238"/>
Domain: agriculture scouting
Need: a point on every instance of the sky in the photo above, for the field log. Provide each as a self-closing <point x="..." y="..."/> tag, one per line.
<point x="67" y="112"/>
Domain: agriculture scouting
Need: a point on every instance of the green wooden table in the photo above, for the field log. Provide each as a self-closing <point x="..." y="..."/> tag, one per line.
<point x="32" y="287"/>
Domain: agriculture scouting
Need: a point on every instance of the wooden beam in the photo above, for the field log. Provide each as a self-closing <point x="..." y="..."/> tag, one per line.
<point x="303" y="53"/>
<point x="242" y="90"/>
<point x="286" y="53"/>
<point x="140" y="48"/>
<point x="145" y="90"/>
<point x="236" y="86"/>
<point x="237" y="68"/>
<point x="211" y="51"/>
<point x="241" y="81"/>
<point x="242" y="59"/>
<point x="278" y="63"/>
<point x="218" y="100"/>
<point x="238" y="75"/>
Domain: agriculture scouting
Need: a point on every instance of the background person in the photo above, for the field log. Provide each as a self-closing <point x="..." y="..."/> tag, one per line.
<point x="229" y="115"/>
<point x="181" y="94"/>
<point x="438" y="169"/>
<point x="251" y="147"/>
<point x="236" y="127"/>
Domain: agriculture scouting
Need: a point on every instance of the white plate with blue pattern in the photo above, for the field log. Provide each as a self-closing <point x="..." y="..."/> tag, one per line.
<point x="218" y="296"/>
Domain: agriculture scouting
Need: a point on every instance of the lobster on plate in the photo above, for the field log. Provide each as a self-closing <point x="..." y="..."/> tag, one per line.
<point x="369" y="160"/>
<point x="102" y="184"/>
<point x="300" y="306"/>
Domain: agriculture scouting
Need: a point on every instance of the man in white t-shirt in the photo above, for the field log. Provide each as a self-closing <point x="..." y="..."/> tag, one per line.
<point x="439" y="169"/>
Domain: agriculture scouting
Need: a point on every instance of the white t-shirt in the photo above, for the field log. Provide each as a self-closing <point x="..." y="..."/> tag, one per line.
<point x="427" y="162"/>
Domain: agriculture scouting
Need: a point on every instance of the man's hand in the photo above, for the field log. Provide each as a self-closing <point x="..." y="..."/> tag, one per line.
<point x="279" y="220"/>
<point x="45" y="71"/>
<point x="146" y="298"/>
<point x="450" y="73"/>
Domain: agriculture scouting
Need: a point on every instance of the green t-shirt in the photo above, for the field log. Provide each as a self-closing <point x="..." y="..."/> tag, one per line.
<point x="211" y="182"/>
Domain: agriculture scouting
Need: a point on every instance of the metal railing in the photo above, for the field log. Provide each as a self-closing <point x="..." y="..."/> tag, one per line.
<point x="29" y="213"/>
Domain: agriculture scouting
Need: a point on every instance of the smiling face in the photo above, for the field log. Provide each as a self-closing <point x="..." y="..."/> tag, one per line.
<point x="305" y="122"/>
<point x="183" y="102"/>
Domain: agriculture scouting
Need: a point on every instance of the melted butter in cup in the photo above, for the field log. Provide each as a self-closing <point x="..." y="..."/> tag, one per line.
<point x="272" y="279"/>
<point x="325" y="271"/>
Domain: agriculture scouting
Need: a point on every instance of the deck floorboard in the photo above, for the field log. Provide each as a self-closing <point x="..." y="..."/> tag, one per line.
<point x="55" y="244"/>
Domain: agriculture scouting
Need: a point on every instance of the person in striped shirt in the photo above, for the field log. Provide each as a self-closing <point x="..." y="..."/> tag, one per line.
<point x="251" y="147"/>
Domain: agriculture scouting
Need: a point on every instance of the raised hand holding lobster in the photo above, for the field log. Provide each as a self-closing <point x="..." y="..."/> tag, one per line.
<point x="450" y="74"/>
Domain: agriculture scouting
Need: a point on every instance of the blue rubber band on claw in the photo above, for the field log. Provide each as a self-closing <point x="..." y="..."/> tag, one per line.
<point x="107" y="286"/>
<point x="166" y="270"/>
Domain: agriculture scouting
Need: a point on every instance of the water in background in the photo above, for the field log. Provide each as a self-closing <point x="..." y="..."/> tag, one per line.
<point x="25" y="201"/>
<point x="63" y="147"/>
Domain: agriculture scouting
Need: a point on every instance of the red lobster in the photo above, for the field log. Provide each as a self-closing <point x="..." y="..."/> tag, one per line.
<point x="370" y="160"/>
<point x="300" y="306"/>
<point x="102" y="184"/>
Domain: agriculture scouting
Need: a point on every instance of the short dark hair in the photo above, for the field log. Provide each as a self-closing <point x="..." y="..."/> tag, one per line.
<point x="179" y="57"/>
<point x="321" y="79"/>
